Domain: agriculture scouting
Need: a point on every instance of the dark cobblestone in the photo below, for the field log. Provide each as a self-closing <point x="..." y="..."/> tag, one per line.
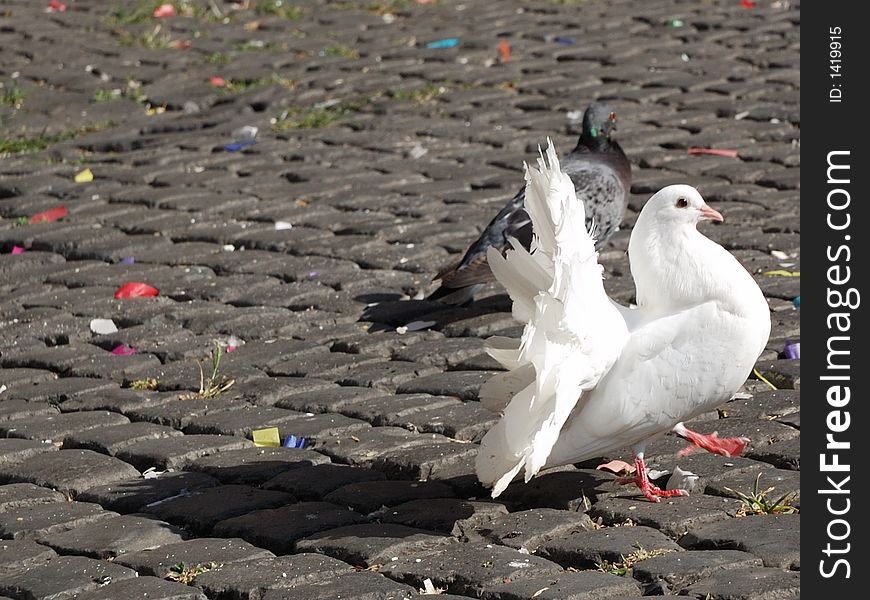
<point x="249" y="579"/>
<point x="386" y="158"/>
<point x="28" y="522"/>
<point x="530" y="529"/>
<point x="355" y="586"/>
<point x="17" y="555"/>
<point x="69" y="471"/>
<point x="158" y="560"/>
<point x="585" y="585"/>
<point x="134" y="495"/>
<point x="199" y="510"/>
<point x="255" y="465"/>
<point x="150" y="587"/>
<point x="314" y="482"/>
<point x="176" y="452"/>
<point x="18" y="450"/>
<point x="468" y="568"/>
<point x="757" y="582"/>
<point x="669" y="517"/>
<point x="773" y="538"/>
<point x="19" y="495"/>
<point x="111" y="537"/>
<point x="56" y="428"/>
<point x="279" y="529"/>
<point x="372" y="544"/>
<point x="368" y="496"/>
<point x="679" y="570"/>
<point x="63" y="575"/>
<point x="583" y="550"/>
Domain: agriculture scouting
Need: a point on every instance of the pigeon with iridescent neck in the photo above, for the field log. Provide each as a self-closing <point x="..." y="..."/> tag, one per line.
<point x="601" y="175"/>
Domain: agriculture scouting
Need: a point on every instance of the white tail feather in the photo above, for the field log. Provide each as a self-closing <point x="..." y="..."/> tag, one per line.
<point x="571" y="336"/>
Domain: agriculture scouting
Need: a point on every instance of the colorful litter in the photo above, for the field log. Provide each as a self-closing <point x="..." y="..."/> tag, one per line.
<point x="50" y="215"/>
<point x="445" y="43"/>
<point x="163" y="11"/>
<point x="266" y="437"/>
<point x="127" y="260"/>
<point x="504" y="51"/>
<point x="17" y="250"/>
<point x="616" y="466"/>
<point x="781" y="273"/>
<point x="85" y="176"/>
<point x="291" y="441"/>
<point x="236" y="146"/>
<point x="135" y="289"/>
<point x="123" y="350"/>
<point x="55" y="6"/>
<point x="713" y="151"/>
<point x="792" y="350"/>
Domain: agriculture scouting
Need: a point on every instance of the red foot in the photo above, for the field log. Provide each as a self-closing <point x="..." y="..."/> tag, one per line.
<point x="653" y="493"/>
<point x="712" y="443"/>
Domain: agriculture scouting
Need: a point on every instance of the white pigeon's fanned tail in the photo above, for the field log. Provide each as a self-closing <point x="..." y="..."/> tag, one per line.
<point x="572" y="335"/>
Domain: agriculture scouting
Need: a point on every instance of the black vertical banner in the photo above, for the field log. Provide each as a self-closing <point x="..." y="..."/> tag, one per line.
<point x="835" y="177"/>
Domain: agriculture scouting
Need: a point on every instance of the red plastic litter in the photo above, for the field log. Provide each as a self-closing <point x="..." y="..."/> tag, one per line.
<point x="56" y="6"/>
<point x="504" y="50"/>
<point x="747" y="3"/>
<point x="17" y="250"/>
<point x="714" y="152"/>
<point x="217" y="81"/>
<point x="50" y="215"/>
<point x="124" y="350"/>
<point x="163" y="11"/>
<point x="135" y="289"/>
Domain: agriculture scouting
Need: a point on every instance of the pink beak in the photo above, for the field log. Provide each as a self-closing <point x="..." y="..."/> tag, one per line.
<point x="711" y="214"/>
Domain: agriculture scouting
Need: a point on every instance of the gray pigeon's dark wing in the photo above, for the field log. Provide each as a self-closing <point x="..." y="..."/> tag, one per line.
<point x="601" y="180"/>
<point x="472" y="268"/>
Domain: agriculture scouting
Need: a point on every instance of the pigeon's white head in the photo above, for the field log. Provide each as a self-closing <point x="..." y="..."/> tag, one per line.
<point x="676" y="204"/>
<point x="672" y="262"/>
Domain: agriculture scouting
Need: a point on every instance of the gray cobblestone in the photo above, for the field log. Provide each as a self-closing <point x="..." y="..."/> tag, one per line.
<point x="133" y="495"/>
<point x="587" y="548"/>
<point x="107" y="538"/>
<point x="69" y="471"/>
<point x="248" y="579"/>
<point x="158" y="560"/>
<point x="28" y="522"/>
<point x="63" y="575"/>
<point x="387" y="158"/>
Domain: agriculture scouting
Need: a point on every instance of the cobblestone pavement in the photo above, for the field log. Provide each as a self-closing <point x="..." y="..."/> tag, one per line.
<point x="377" y="159"/>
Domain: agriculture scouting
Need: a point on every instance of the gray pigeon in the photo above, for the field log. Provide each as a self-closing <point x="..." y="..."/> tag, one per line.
<point x="602" y="178"/>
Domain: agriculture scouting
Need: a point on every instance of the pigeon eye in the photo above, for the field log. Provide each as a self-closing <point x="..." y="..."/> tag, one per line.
<point x="682" y="203"/>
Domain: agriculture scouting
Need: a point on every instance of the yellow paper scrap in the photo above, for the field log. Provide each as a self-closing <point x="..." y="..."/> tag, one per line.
<point x="782" y="273"/>
<point x="84" y="177"/>
<point x="267" y="437"/>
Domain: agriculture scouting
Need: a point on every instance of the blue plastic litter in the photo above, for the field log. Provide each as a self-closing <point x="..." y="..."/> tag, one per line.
<point x="445" y="43"/>
<point x="291" y="441"/>
<point x="797" y="302"/>
<point x="236" y="146"/>
<point x="568" y="41"/>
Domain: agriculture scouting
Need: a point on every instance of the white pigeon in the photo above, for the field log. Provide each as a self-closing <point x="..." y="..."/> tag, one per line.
<point x="589" y="376"/>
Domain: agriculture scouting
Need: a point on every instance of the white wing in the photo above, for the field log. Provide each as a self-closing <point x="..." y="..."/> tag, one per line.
<point x="573" y="332"/>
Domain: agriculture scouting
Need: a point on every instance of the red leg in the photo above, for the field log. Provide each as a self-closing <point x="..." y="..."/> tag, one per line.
<point x="711" y="443"/>
<point x="652" y="492"/>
